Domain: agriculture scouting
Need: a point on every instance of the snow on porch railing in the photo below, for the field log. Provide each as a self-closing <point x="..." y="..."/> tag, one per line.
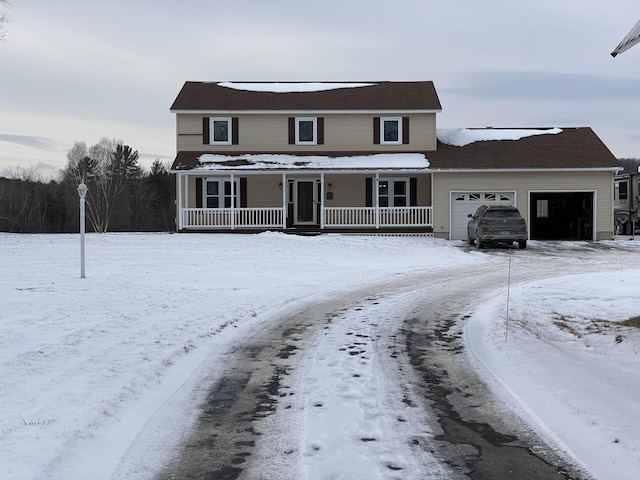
<point x="372" y="217"/>
<point x="222" y="217"/>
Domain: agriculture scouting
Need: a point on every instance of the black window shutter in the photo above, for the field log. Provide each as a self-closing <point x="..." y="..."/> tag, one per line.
<point x="292" y="131"/>
<point x="369" y="191"/>
<point x="376" y="130"/>
<point x="320" y="128"/>
<point x="413" y="192"/>
<point x="405" y="130"/>
<point x="205" y="131"/>
<point x="198" y="192"/>
<point x="234" y="131"/>
<point x="243" y="192"/>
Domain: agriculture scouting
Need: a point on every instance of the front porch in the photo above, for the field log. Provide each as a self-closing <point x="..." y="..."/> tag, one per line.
<point x="330" y="218"/>
<point x="362" y="202"/>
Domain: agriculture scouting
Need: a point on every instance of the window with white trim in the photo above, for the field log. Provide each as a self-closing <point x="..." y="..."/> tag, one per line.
<point x="306" y="131"/>
<point x="542" y="208"/>
<point x="393" y="192"/>
<point x="220" y="131"/>
<point x="217" y="193"/>
<point x="390" y="130"/>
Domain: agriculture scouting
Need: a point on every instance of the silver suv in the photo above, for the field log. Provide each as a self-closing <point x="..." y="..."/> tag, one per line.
<point x="497" y="224"/>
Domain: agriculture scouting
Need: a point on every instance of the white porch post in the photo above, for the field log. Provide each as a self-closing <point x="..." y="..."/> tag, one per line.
<point x="232" y="220"/>
<point x="376" y="190"/>
<point x="284" y="200"/>
<point x="179" y="179"/>
<point x="322" y="201"/>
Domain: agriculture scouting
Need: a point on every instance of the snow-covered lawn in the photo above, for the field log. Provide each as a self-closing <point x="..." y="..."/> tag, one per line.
<point x="85" y="363"/>
<point x="569" y="354"/>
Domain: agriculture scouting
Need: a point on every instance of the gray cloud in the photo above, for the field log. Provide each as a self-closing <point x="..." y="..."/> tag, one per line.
<point x="41" y="143"/>
<point x="538" y="85"/>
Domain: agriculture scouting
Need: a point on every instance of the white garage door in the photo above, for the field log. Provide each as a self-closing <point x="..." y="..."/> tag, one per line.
<point x="464" y="203"/>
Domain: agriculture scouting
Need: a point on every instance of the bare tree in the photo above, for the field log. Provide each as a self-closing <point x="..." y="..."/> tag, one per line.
<point x="105" y="168"/>
<point x="4" y="17"/>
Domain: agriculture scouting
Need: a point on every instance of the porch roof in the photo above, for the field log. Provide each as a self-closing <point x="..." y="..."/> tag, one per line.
<point x="208" y="162"/>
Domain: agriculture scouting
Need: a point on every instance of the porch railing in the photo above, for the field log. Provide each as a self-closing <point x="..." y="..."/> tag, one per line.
<point x="383" y="216"/>
<point x="227" y="218"/>
<point x="224" y="219"/>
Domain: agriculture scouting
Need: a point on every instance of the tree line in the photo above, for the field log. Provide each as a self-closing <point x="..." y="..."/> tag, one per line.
<point x="121" y="196"/>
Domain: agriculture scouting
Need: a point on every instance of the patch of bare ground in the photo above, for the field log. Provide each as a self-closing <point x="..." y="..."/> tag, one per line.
<point x="632" y="322"/>
<point x="563" y="322"/>
<point x="593" y="326"/>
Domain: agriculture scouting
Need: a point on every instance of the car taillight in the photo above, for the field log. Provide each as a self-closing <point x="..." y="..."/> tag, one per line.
<point x="485" y="220"/>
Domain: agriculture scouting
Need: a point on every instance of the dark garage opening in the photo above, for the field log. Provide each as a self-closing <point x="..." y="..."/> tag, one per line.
<point x="561" y="216"/>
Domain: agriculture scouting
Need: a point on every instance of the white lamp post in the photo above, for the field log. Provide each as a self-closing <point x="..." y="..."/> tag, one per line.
<point x="82" y="191"/>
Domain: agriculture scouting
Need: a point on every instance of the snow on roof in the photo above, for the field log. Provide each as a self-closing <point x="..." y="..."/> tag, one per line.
<point x="289" y="87"/>
<point x="312" y="162"/>
<point x="459" y="137"/>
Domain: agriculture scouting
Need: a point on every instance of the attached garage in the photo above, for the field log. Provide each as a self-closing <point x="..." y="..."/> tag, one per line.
<point x="561" y="215"/>
<point x="465" y="203"/>
<point x="561" y="180"/>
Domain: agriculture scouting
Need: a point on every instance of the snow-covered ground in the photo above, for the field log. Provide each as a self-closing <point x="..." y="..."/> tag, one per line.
<point x="86" y="364"/>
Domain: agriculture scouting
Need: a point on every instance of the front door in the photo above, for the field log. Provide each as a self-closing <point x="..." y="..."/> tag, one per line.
<point x="304" y="202"/>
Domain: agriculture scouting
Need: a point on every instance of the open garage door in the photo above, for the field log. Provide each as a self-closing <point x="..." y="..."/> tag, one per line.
<point x="561" y="216"/>
<point x="464" y="203"/>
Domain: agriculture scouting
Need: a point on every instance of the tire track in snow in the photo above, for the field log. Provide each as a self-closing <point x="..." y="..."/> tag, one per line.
<point x="360" y="419"/>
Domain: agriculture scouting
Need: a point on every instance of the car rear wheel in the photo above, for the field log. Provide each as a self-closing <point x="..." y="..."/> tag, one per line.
<point x="479" y="242"/>
<point x="522" y="244"/>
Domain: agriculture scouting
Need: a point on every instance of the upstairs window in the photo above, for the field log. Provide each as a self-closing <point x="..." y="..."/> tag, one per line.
<point x="220" y="130"/>
<point x="390" y="130"/>
<point x="306" y="131"/>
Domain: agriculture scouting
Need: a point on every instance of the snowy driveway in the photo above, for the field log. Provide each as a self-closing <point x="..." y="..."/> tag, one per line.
<point x="372" y="384"/>
<point x="349" y="352"/>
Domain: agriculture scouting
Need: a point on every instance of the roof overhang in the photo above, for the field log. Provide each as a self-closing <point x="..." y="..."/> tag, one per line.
<point x="521" y="170"/>
<point x="303" y="112"/>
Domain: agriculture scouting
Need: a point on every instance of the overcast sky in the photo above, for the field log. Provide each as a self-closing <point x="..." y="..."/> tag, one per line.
<point x="78" y="70"/>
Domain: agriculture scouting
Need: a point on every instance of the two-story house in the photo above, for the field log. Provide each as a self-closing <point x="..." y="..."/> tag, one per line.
<point x="367" y="157"/>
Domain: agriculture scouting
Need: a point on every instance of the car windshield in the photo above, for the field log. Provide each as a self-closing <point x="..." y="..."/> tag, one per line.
<point x="503" y="214"/>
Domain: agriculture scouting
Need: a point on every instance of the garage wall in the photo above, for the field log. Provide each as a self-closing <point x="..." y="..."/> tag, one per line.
<point x="522" y="183"/>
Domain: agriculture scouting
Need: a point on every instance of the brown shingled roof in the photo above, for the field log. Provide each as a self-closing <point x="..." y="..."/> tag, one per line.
<point x="207" y="96"/>
<point x="572" y="148"/>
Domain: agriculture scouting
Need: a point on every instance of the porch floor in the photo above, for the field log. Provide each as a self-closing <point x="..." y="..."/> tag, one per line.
<point x="316" y="230"/>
